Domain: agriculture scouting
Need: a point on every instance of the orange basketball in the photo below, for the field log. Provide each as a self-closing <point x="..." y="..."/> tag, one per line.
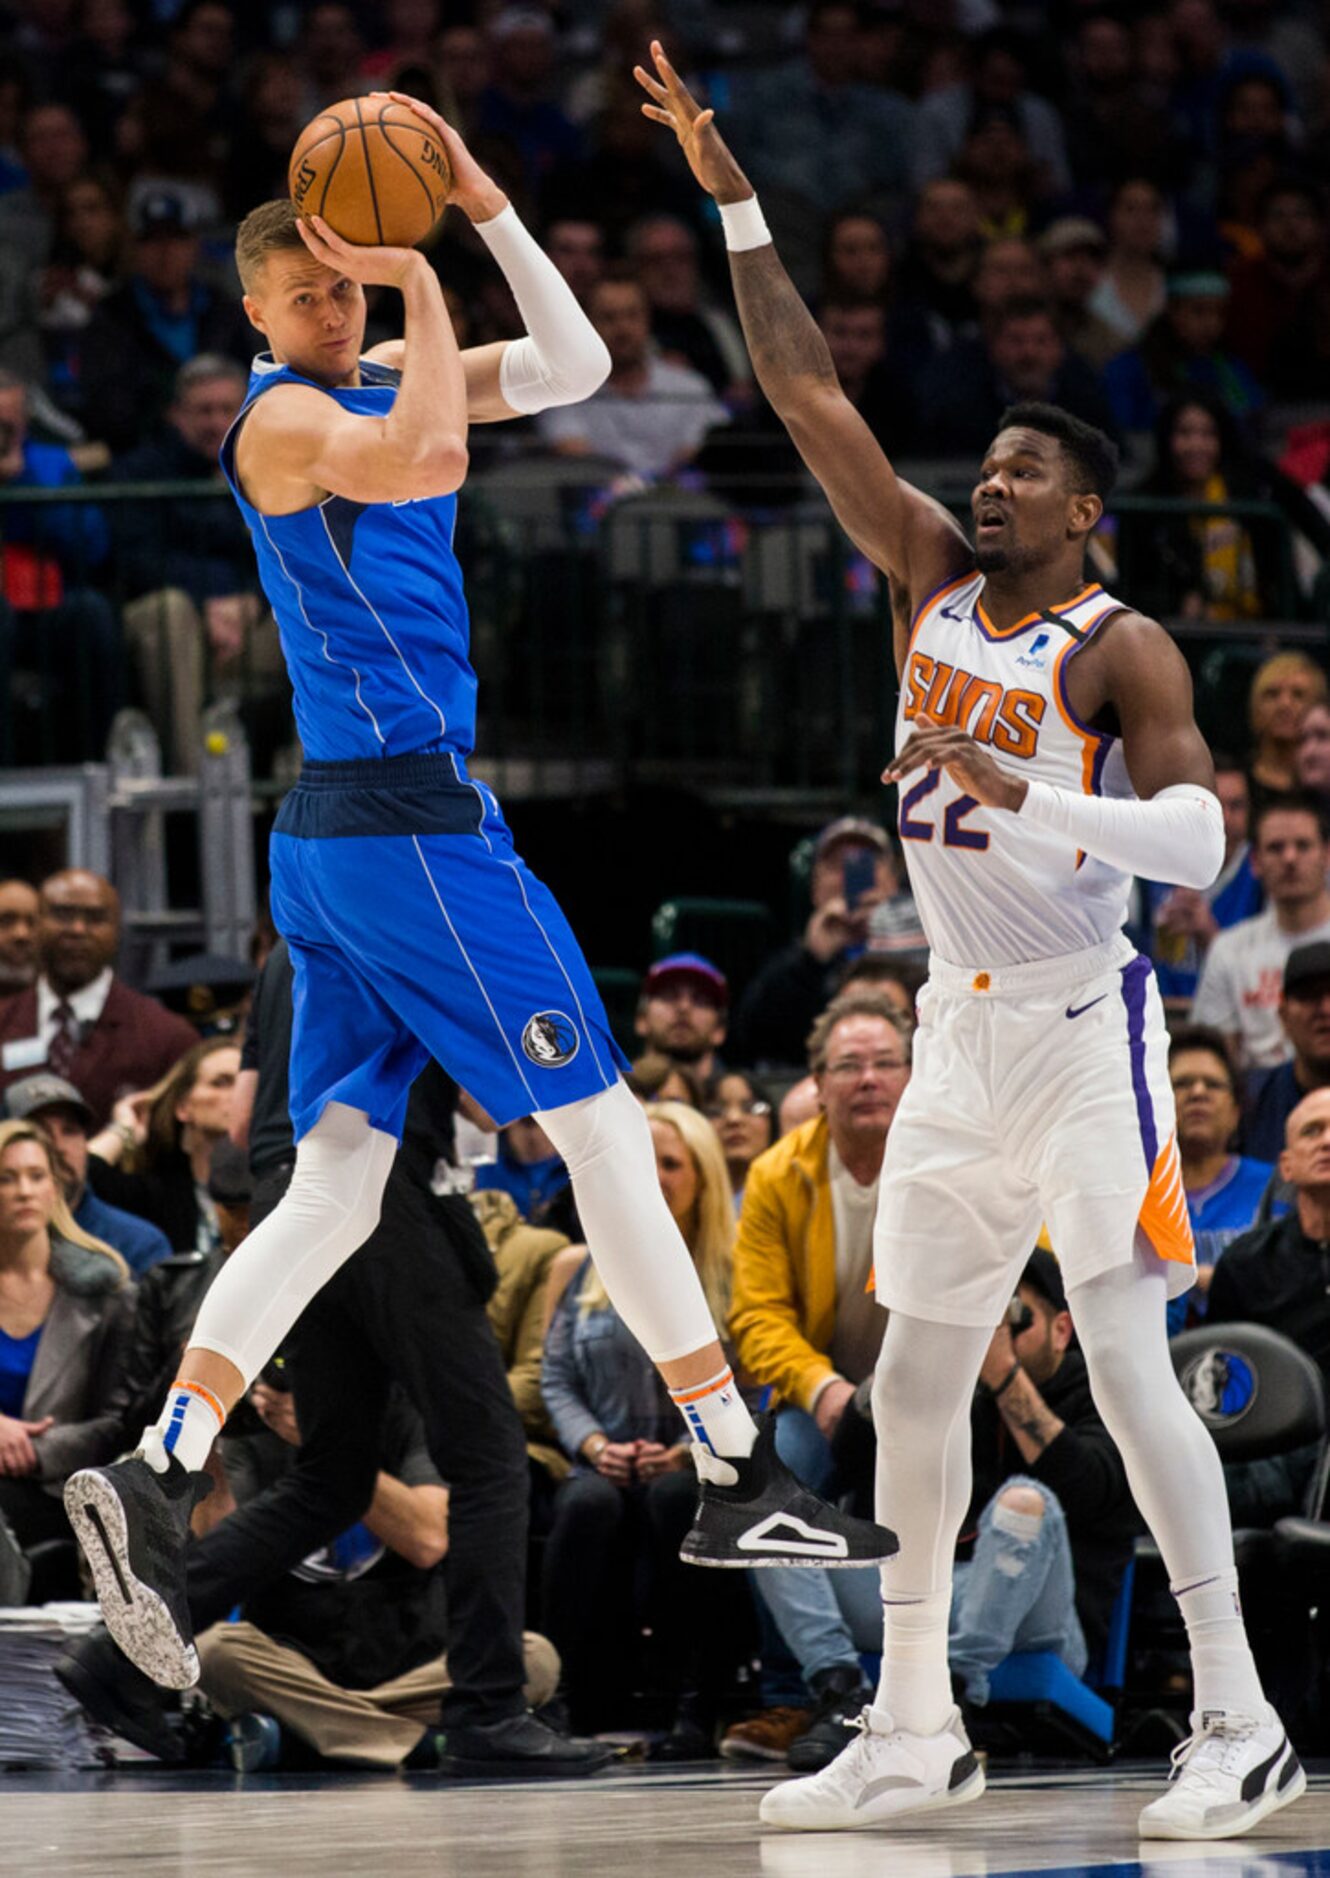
<point x="375" y="172"/>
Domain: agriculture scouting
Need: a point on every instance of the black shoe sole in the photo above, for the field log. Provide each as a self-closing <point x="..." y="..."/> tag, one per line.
<point x="135" y="1614"/>
<point x="459" y="1766"/>
<point x="716" y="1555"/>
<point x="99" y="1701"/>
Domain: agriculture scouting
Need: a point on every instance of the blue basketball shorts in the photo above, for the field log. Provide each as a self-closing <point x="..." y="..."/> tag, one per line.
<point x="415" y="931"/>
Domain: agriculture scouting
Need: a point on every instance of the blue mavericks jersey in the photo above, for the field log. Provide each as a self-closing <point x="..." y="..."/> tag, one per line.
<point x="368" y="601"/>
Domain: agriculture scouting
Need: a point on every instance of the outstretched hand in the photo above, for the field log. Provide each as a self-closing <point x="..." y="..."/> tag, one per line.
<point x="674" y="105"/>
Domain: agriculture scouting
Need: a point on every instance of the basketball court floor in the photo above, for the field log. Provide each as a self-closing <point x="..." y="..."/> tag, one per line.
<point x="634" y="1823"/>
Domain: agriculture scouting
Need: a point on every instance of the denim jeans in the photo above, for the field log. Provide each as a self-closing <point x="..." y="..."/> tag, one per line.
<point x="1017" y="1592"/>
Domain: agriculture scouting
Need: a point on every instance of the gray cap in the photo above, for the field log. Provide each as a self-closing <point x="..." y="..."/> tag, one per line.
<point x="44" y="1091"/>
<point x="1070" y="232"/>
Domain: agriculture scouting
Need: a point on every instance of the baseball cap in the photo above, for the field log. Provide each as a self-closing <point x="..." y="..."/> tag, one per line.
<point x="851" y="828"/>
<point x="689" y="965"/>
<point x="163" y="212"/>
<point x="45" y="1091"/>
<point x="202" y="986"/>
<point x="1306" y="963"/>
<point x="1043" y="1274"/>
<point x="230" y="1182"/>
<point x="1070" y="232"/>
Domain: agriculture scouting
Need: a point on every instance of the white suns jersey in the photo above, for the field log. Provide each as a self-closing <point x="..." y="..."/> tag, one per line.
<point x="991" y="888"/>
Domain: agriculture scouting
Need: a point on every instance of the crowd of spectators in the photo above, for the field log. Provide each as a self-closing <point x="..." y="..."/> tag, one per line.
<point x="1121" y="209"/>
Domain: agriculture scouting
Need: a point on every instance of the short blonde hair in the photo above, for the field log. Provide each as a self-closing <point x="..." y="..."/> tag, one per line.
<point x="269" y="229"/>
<point x="61" y="1221"/>
<point x="1283" y="665"/>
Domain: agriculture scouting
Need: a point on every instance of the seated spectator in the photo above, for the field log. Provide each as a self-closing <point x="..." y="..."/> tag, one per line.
<point x="856" y="886"/>
<point x="331" y="56"/>
<point x="80" y="1020"/>
<point x="743" y="1115"/>
<point x="648" y="416"/>
<point x="1304" y="1012"/>
<point x="655" y="1077"/>
<point x="1279" y="309"/>
<point x="576" y="245"/>
<point x="57" y="1106"/>
<point x="1282" y="691"/>
<point x="523" y="1255"/>
<point x="1073" y="250"/>
<point x="1275" y="1275"/>
<point x="517" y="106"/>
<point x="935" y="304"/>
<point x="143" y="332"/>
<point x="856" y="335"/>
<point x="54" y="148"/>
<point x="995" y="160"/>
<point x="856" y="259"/>
<point x="1116" y="124"/>
<point x="1008" y="269"/>
<point x="805" y="1321"/>
<point x="525" y="1167"/>
<point x="683" y="1010"/>
<point x="1048" y="1535"/>
<point x="1185" y="920"/>
<point x="270" y="121"/>
<point x="196" y="620"/>
<point x="172" y="1129"/>
<point x="1312" y="760"/>
<point x="1180" y="352"/>
<point x="88" y="257"/>
<point x="1224" y="1189"/>
<point x="65" y="1311"/>
<point x="622" y="1515"/>
<point x="346" y="1652"/>
<point x="1132" y="291"/>
<point x="1212" y="566"/>
<point x="686" y="326"/>
<point x="1239" y="989"/>
<point x="19" y="907"/>
<point x="1021" y="355"/>
<point x="51" y="616"/>
<point x="1000" y="76"/>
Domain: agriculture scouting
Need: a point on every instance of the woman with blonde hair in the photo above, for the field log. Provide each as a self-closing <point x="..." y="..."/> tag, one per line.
<point x="66" y="1309"/>
<point x="1282" y="691"/>
<point x="153" y="1158"/>
<point x="612" y="1559"/>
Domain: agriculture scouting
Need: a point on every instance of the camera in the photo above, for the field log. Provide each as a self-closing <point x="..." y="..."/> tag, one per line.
<point x="276" y="1375"/>
<point x="1019" y="1316"/>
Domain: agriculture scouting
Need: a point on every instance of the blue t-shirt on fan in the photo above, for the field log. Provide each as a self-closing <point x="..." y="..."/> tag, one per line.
<point x="17" y="1356"/>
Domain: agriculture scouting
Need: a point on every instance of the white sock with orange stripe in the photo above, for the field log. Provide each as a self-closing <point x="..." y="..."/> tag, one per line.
<point x="716" y="1416"/>
<point x="189" y="1424"/>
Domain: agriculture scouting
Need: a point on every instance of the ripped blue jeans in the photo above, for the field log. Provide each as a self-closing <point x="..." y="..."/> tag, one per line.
<point x="1016" y="1592"/>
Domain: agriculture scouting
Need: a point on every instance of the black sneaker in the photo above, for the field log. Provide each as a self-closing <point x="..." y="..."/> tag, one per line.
<point x="133" y="1525"/>
<point x="520" y="1747"/>
<point x="103" y="1681"/>
<point x="841" y="1695"/>
<point x="766" y="1517"/>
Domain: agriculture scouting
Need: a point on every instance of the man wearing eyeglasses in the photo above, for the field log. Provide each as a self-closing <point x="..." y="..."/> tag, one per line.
<point x="804" y="1320"/>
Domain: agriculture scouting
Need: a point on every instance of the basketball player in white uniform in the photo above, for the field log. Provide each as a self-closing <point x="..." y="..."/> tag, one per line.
<point x="1046" y="752"/>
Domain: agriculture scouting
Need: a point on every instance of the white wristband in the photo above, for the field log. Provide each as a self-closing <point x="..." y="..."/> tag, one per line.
<point x="744" y="224"/>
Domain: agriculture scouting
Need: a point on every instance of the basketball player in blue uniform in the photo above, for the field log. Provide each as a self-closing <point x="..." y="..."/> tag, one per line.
<point x="414" y="927"/>
<point x="1046" y="752"/>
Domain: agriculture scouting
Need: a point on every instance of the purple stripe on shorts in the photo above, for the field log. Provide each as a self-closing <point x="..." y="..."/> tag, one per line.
<point x="1135" y="978"/>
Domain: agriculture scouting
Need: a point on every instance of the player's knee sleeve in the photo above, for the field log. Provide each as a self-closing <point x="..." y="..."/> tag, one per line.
<point x="330" y="1208"/>
<point x="605" y="1143"/>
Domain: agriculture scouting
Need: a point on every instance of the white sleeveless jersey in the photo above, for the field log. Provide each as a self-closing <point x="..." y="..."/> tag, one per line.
<point x="991" y="888"/>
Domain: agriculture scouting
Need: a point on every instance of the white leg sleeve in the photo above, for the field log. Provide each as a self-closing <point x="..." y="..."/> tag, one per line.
<point x="922" y="1390"/>
<point x="1173" y="1466"/>
<point x="605" y="1143"/>
<point x="330" y="1208"/>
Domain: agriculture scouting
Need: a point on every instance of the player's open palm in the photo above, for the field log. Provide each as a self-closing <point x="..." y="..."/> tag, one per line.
<point x="674" y="105"/>
<point x="471" y="187"/>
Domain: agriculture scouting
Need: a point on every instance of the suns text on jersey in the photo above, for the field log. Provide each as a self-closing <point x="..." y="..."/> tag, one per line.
<point x="1008" y="718"/>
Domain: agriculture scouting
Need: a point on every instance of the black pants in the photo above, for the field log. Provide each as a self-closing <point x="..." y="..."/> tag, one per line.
<point x="409" y="1307"/>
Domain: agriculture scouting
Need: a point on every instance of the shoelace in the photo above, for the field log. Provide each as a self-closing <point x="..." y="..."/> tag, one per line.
<point x="1209" y="1754"/>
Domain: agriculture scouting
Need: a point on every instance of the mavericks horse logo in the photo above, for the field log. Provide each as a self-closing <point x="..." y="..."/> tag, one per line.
<point x="550" y="1039"/>
<point x="1220" y="1385"/>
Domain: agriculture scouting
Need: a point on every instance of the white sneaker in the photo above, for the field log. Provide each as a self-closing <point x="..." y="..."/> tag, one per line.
<point x="882" y="1774"/>
<point x="1230" y="1773"/>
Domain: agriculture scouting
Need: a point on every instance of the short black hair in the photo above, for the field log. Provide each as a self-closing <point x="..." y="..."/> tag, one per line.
<point x="1092" y="456"/>
<point x="1291" y="802"/>
<point x="1206" y="1037"/>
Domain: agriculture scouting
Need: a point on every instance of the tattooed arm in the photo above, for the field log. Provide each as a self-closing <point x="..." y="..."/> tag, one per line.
<point x="1030" y="1421"/>
<point x="907" y="534"/>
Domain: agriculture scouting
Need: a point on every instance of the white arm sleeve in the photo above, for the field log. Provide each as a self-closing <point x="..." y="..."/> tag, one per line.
<point x="1177" y="836"/>
<point x="563" y="358"/>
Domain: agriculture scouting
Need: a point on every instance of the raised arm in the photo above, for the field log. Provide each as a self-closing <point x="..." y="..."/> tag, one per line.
<point x="907" y="534"/>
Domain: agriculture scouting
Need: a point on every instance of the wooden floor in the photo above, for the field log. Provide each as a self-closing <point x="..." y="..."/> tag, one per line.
<point x="637" y="1823"/>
